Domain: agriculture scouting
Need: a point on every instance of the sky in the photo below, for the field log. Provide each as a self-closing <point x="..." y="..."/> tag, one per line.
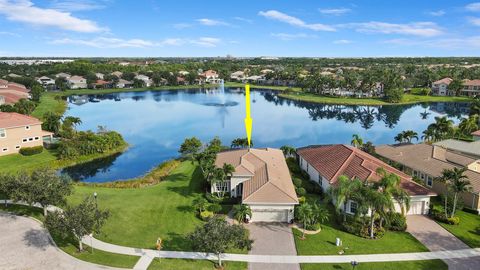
<point x="300" y="28"/>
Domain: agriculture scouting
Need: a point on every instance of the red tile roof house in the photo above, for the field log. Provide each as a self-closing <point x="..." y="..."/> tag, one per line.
<point x="325" y="163"/>
<point x="262" y="181"/>
<point x="440" y="87"/>
<point x="13" y="92"/>
<point x="471" y="88"/>
<point x="210" y="76"/>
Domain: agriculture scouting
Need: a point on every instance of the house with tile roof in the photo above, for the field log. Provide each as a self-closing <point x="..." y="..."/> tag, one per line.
<point x="210" y="76"/>
<point x="471" y="88"/>
<point x="440" y="87"/>
<point x="18" y="131"/>
<point x="12" y="92"/>
<point x="262" y="181"/>
<point x="426" y="162"/>
<point x="325" y="163"/>
<point x="77" y="82"/>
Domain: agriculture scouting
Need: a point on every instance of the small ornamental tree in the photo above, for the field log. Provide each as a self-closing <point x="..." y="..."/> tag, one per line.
<point x="8" y="185"/>
<point x="241" y="212"/>
<point x="217" y="236"/>
<point x="77" y="221"/>
<point x="190" y="148"/>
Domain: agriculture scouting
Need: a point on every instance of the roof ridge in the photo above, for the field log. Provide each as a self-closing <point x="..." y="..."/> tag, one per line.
<point x="345" y="164"/>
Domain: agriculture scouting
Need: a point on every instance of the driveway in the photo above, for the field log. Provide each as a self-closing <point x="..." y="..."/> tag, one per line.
<point x="272" y="239"/>
<point x="25" y="244"/>
<point x="436" y="238"/>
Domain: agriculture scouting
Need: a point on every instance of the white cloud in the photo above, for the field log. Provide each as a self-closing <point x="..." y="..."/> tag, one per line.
<point x="182" y="25"/>
<point x="282" y="17"/>
<point x="342" y="41"/>
<point x="77" y="5"/>
<point x="25" y="11"/>
<point x="172" y="42"/>
<point x="446" y="43"/>
<point x="243" y="19"/>
<point x="437" y="13"/>
<point x="474" y="20"/>
<point x="103" y="42"/>
<point x="423" y="29"/>
<point x="208" y="42"/>
<point x="285" y="36"/>
<point x="473" y="6"/>
<point x="335" y="11"/>
<point x="211" y="22"/>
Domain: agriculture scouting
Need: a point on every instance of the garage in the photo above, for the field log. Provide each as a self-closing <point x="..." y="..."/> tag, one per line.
<point x="416" y="208"/>
<point x="269" y="215"/>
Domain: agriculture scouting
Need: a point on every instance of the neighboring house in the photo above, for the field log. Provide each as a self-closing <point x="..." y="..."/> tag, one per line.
<point x="146" y="80"/>
<point x="257" y="79"/>
<point x="471" y="88"/>
<point x="426" y="162"/>
<point x="46" y="81"/>
<point x="18" y="131"/>
<point x="100" y="76"/>
<point x="124" y="84"/>
<point x="266" y="71"/>
<point x="325" y="163"/>
<point x="62" y="75"/>
<point x="77" y="82"/>
<point x="13" y="92"/>
<point x="210" y="76"/>
<point x="181" y="81"/>
<point x="262" y="181"/>
<point x="99" y="84"/>
<point x="183" y="73"/>
<point x="117" y="73"/>
<point x="237" y="76"/>
<point x="440" y="87"/>
<point x="471" y="149"/>
<point x="13" y="75"/>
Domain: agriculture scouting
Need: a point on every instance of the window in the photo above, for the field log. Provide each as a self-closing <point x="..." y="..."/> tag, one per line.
<point x="353" y="207"/>
<point x="24" y="140"/>
<point x="30" y="139"/>
<point x="5" y="149"/>
<point x="17" y="147"/>
<point x="307" y="167"/>
<point x="320" y="179"/>
<point x="429" y="181"/>
<point x="3" y="133"/>
<point x="415" y="173"/>
<point x="222" y="186"/>
<point x="37" y="138"/>
<point x="27" y="127"/>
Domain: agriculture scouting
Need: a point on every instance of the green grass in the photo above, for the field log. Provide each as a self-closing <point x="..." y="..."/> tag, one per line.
<point x="408" y="265"/>
<point x="173" y="264"/>
<point x="49" y="103"/>
<point x="468" y="230"/>
<point x="16" y="162"/>
<point x="407" y="99"/>
<point x="139" y="216"/>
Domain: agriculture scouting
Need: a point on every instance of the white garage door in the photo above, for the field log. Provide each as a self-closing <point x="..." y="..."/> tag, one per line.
<point x="416" y="208"/>
<point x="269" y="215"/>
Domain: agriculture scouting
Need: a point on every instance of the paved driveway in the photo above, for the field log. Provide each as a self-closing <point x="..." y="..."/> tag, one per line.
<point x="436" y="238"/>
<point x="272" y="239"/>
<point x="25" y="245"/>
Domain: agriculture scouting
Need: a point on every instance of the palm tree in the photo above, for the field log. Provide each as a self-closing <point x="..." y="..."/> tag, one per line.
<point x="375" y="201"/>
<point x="428" y="135"/>
<point x="390" y="184"/>
<point x="320" y="214"/>
<point x="241" y="143"/>
<point x="200" y="204"/>
<point x="424" y="114"/>
<point x="288" y="151"/>
<point x="305" y="214"/>
<point x="241" y="212"/>
<point x="456" y="181"/>
<point x="468" y="125"/>
<point x="409" y="135"/>
<point x="475" y="107"/>
<point x="343" y="192"/>
<point x="399" y="138"/>
<point x="357" y="141"/>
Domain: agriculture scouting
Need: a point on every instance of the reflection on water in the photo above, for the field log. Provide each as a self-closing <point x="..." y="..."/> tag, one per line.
<point x="155" y="123"/>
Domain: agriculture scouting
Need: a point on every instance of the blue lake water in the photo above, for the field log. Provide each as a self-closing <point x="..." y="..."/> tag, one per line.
<point x="155" y="123"/>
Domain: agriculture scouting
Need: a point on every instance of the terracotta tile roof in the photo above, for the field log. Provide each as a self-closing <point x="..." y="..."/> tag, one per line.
<point x="270" y="180"/>
<point x="446" y="81"/>
<point x="11" y="98"/>
<point x="9" y="120"/>
<point x="420" y="158"/>
<point x="332" y="161"/>
<point x="471" y="82"/>
<point x="210" y="73"/>
<point x="476" y="133"/>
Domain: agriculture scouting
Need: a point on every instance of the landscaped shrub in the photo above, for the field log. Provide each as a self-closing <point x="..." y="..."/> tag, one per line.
<point x="206" y="215"/>
<point x="305" y="175"/>
<point x="453" y="220"/>
<point x="88" y="142"/>
<point x="377" y="231"/>
<point x="297" y="182"/>
<point x="352" y="227"/>
<point x="225" y="200"/>
<point x="293" y="166"/>
<point x="302" y="199"/>
<point x="396" y="222"/>
<point x="313" y="227"/>
<point x="301" y="192"/>
<point x="215" y="208"/>
<point x="30" y="151"/>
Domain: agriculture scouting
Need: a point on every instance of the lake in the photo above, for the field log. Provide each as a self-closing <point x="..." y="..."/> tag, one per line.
<point x="155" y="123"/>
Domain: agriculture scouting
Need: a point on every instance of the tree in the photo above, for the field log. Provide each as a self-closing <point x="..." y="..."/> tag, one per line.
<point x="357" y="141"/>
<point x="61" y="83"/>
<point x="469" y="125"/>
<point x="343" y="192"/>
<point x="220" y="175"/>
<point x="399" y="138"/>
<point x="377" y="202"/>
<point x="77" y="221"/>
<point x="240" y="143"/>
<point x="455" y="181"/>
<point x="36" y="92"/>
<point x="200" y="204"/>
<point x="393" y="95"/>
<point x="51" y="122"/>
<point x="475" y="106"/>
<point x="455" y="86"/>
<point x="241" y="212"/>
<point x="305" y="215"/>
<point x="8" y="185"/>
<point x="390" y="184"/>
<point x="25" y="106"/>
<point x="288" y="151"/>
<point x="190" y="148"/>
<point x="215" y="145"/>
<point x="368" y="147"/>
<point x="217" y="236"/>
<point x="68" y="126"/>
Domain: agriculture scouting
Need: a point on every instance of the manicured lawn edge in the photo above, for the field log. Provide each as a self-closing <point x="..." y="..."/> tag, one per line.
<point x="98" y="256"/>
<point x="406" y="265"/>
<point x="468" y="231"/>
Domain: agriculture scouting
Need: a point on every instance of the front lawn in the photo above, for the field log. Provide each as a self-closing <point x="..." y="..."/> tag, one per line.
<point x="408" y="265"/>
<point x="139" y="216"/>
<point x="468" y="230"/>
<point x="16" y="162"/>
<point x="174" y="264"/>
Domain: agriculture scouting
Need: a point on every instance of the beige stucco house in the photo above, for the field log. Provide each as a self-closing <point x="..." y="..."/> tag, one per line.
<point x="262" y="181"/>
<point x="18" y="131"/>
<point x="426" y="162"/>
<point x="325" y="163"/>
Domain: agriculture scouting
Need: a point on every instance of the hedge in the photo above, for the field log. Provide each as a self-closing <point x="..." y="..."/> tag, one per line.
<point x="30" y="151"/>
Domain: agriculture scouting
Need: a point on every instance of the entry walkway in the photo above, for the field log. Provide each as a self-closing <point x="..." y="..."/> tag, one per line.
<point x="436" y="238"/>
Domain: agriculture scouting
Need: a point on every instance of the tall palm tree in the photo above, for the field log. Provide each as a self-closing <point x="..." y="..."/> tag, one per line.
<point x="305" y="215"/>
<point x="241" y="212"/>
<point x="377" y="202"/>
<point x="288" y="151"/>
<point x="399" y="138"/>
<point x="428" y="135"/>
<point x="357" y="141"/>
<point x="475" y="107"/>
<point x="343" y="192"/>
<point x="458" y="183"/>
<point x="469" y="125"/>
<point x="390" y="184"/>
<point x="409" y="135"/>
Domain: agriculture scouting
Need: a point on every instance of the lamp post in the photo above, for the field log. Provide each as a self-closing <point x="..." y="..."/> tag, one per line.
<point x="354" y="264"/>
<point x="95" y="196"/>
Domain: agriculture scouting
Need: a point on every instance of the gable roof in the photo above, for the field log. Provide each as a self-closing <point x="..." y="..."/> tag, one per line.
<point x="332" y="161"/>
<point x="270" y="180"/>
<point x="471" y="82"/>
<point x="10" y="120"/>
<point x="446" y="81"/>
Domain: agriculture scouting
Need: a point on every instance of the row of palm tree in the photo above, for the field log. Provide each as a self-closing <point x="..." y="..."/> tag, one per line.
<point x="406" y="136"/>
<point x="241" y="143"/>
<point x="456" y="182"/>
<point x="443" y="128"/>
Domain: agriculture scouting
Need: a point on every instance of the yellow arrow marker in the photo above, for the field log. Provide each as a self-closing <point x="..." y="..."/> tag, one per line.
<point x="248" y="119"/>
